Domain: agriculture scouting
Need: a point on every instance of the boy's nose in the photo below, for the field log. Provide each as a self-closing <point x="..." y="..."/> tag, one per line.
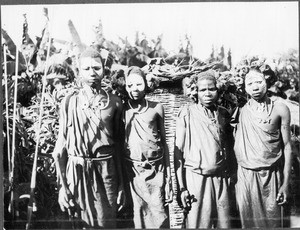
<point x="207" y="92"/>
<point x="134" y="88"/>
<point x="91" y="70"/>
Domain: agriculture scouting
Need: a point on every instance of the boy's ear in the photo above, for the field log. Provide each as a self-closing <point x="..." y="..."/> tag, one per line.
<point x="219" y="89"/>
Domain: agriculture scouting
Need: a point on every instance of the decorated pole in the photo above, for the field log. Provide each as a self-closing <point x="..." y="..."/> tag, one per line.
<point x="7" y="113"/>
<point x="11" y="207"/>
<point x="34" y="167"/>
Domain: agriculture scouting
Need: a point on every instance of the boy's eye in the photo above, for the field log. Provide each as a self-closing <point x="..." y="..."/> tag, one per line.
<point x="96" y="68"/>
<point x="211" y="90"/>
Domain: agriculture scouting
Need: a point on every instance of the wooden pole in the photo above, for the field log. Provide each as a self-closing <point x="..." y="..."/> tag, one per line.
<point x="7" y="112"/>
<point x="14" y="137"/>
<point x="34" y="167"/>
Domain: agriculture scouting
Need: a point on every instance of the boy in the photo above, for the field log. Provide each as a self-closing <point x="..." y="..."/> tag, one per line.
<point x="200" y="157"/>
<point x="86" y="153"/>
<point x="262" y="140"/>
<point x="146" y="154"/>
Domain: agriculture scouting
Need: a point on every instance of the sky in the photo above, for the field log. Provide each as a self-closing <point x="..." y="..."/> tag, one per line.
<point x="247" y="28"/>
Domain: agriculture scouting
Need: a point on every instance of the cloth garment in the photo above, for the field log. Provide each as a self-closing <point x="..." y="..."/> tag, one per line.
<point x="141" y="139"/>
<point x="91" y="170"/>
<point x="204" y="148"/>
<point x="211" y="204"/>
<point x="205" y="153"/>
<point x="258" y="154"/>
<point x="255" y="146"/>
<point x="145" y="172"/>
<point x="256" y="192"/>
<point x="147" y="191"/>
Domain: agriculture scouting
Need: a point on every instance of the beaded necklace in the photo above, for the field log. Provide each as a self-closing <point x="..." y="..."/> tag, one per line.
<point x="98" y="104"/>
<point x="142" y="110"/>
<point x="264" y="110"/>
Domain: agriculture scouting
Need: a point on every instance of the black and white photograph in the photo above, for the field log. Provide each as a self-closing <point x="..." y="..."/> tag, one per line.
<point x="148" y="115"/>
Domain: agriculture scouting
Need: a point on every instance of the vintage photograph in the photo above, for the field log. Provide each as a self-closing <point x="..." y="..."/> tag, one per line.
<point x="147" y="115"/>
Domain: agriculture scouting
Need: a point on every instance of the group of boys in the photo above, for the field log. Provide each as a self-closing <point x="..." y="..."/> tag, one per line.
<point x="99" y="134"/>
<point x="209" y="141"/>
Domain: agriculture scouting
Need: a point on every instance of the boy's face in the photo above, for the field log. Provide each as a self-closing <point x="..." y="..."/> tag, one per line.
<point x="239" y="81"/>
<point x="207" y="92"/>
<point x="192" y="92"/>
<point x="91" y="70"/>
<point x="57" y="81"/>
<point x="135" y="86"/>
<point x="255" y="85"/>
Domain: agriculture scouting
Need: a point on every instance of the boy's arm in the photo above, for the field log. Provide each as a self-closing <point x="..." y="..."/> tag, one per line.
<point x="234" y="119"/>
<point x="118" y="146"/>
<point x="179" y="161"/>
<point x="228" y="138"/>
<point x="60" y="156"/>
<point x="161" y="127"/>
<point x="286" y="138"/>
<point x="178" y="153"/>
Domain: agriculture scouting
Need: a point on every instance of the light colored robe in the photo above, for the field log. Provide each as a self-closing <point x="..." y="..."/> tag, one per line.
<point x="258" y="153"/>
<point x="91" y="171"/>
<point x="204" y="155"/>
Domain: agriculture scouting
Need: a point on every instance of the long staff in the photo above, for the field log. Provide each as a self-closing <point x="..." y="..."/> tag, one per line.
<point x="281" y="215"/>
<point x="34" y="167"/>
<point x="7" y="115"/>
<point x="14" y="137"/>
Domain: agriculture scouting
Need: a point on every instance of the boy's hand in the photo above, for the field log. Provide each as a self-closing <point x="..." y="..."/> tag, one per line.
<point x="282" y="195"/>
<point x="185" y="199"/>
<point x="65" y="199"/>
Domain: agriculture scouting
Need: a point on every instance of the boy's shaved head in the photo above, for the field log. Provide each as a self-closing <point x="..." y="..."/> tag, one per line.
<point x="207" y="75"/>
<point x="92" y="53"/>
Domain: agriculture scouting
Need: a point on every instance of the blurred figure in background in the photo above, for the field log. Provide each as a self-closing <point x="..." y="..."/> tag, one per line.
<point x="60" y="76"/>
<point x="189" y="87"/>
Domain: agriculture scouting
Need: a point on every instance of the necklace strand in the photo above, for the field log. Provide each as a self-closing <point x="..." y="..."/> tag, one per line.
<point x="263" y="119"/>
<point x="98" y="105"/>
<point x="265" y="108"/>
<point x="142" y="110"/>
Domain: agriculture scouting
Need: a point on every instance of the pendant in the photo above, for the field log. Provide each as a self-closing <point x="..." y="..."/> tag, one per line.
<point x="264" y="121"/>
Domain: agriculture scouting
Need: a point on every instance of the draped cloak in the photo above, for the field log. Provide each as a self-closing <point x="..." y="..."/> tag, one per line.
<point x="204" y="154"/>
<point x="145" y="172"/>
<point x="258" y="152"/>
<point x="91" y="171"/>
